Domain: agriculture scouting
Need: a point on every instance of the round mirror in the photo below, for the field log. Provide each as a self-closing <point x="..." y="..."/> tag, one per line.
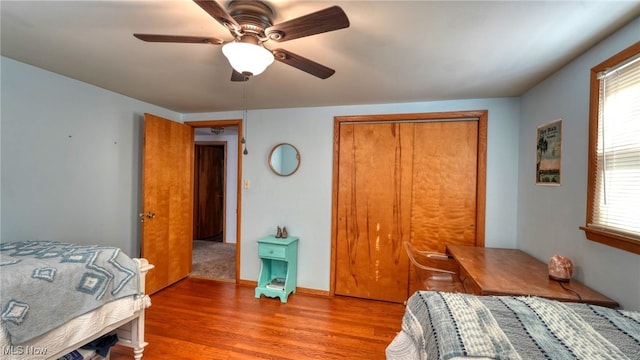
<point x="284" y="159"/>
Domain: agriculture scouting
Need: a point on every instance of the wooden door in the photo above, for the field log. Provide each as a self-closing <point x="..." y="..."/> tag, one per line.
<point x="374" y="211"/>
<point x="443" y="208"/>
<point x="209" y="192"/>
<point x="167" y="200"/>
<point x="444" y="188"/>
<point x="409" y="177"/>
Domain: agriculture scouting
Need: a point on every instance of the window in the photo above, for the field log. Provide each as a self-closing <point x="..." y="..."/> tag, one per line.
<point x="613" y="198"/>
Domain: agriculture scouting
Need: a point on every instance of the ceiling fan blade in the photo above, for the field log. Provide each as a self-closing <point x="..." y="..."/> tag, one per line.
<point x="219" y="13"/>
<point x="322" y="21"/>
<point x="179" y="39"/>
<point x="302" y="63"/>
<point x="236" y="76"/>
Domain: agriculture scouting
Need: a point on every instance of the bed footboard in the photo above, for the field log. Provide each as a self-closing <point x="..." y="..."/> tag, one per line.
<point x="131" y="334"/>
<point x="129" y="327"/>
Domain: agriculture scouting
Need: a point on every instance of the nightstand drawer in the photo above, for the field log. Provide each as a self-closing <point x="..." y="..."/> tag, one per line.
<point x="272" y="251"/>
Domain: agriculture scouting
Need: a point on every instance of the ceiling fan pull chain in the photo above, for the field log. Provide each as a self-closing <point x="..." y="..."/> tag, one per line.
<point x="245" y="116"/>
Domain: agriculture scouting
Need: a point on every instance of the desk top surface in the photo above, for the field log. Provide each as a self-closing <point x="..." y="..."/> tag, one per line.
<point x="514" y="272"/>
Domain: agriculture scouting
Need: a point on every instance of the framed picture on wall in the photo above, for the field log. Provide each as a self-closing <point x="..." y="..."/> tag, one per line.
<point x="549" y="153"/>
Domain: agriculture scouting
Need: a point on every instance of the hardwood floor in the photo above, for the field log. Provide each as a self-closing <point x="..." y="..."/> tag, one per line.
<point x="203" y="319"/>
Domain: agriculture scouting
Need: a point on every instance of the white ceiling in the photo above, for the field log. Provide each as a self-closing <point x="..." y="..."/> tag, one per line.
<point x="394" y="51"/>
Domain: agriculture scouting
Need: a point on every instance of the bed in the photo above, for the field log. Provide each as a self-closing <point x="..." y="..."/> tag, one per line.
<point x="56" y="297"/>
<point x="439" y="325"/>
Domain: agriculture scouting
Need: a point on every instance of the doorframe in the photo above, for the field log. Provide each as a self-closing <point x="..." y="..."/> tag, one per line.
<point x="223" y="123"/>
<point x="481" y="187"/>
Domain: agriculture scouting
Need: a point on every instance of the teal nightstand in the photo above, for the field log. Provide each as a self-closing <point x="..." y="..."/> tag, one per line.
<point x="278" y="273"/>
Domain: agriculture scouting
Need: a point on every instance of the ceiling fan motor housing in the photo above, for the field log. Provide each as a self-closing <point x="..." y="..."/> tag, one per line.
<point x="253" y="17"/>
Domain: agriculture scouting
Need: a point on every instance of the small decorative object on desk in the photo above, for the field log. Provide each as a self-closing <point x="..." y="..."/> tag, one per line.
<point x="279" y="233"/>
<point x="560" y="268"/>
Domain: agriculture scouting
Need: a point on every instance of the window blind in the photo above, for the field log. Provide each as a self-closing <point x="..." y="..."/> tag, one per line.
<point x="616" y="205"/>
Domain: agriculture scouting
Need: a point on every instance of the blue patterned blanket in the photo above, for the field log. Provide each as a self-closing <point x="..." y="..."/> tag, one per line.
<point x="447" y="325"/>
<point x="44" y="284"/>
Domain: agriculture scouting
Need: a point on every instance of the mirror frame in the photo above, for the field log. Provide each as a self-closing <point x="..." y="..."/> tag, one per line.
<point x="273" y="149"/>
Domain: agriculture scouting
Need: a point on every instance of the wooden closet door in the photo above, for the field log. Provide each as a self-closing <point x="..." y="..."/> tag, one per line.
<point x="445" y="168"/>
<point x="414" y="177"/>
<point x="443" y="207"/>
<point x="373" y="210"/>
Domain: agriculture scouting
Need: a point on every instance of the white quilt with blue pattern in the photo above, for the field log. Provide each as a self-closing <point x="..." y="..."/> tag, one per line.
<point x="43" y="284"/>
<point x="453" y="326"/>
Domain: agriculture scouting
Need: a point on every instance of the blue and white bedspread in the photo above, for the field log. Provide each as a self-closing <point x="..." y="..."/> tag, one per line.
<point x="44" y="284"/>
<point x="447" y="325"/>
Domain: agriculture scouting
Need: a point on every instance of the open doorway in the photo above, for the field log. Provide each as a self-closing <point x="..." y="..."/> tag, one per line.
<point x="209" y="190"/>
<point x="215" y="200"/>
<point x="213" y="256"/>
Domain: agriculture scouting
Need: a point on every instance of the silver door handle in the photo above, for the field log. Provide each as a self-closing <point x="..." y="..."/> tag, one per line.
<point x="149" y="215"/>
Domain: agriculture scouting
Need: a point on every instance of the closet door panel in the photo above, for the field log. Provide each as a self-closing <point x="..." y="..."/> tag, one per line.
<point x="444" y="184"/>
<point x="373" y="205"/>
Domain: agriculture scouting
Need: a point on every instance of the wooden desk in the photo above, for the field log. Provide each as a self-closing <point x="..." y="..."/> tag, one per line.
<point x="491" y="271"/>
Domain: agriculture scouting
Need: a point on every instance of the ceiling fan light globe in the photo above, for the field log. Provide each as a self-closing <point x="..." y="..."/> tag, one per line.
<point x="247" y="58"/>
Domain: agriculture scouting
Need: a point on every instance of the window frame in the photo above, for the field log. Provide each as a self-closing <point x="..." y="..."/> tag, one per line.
<point x="617" y="240"/>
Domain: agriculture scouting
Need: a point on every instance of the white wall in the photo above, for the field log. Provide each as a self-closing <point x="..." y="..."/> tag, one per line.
<point x="302" y="202"/>
<point x="70" y="159"/>
<point x="0" y="154"/>
<point x="549" y="217"/>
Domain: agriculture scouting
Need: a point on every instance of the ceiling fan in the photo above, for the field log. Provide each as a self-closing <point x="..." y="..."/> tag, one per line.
<point x="251" y="25"/>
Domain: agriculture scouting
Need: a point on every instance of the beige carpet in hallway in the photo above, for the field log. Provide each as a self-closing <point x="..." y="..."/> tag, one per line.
<point x="212" y="259"/>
